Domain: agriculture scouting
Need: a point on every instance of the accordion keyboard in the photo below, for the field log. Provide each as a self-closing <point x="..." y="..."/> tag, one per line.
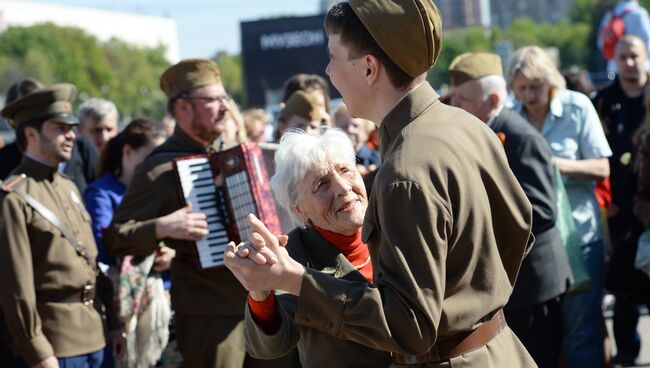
<point x="199" y="189"/>
<point x="242" y="202"/>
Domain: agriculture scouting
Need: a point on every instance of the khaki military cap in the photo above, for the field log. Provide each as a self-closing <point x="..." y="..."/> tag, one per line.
<point x="408" y="31"/>
<point x="54" y="103"/>
<point x="474" y="65"/>
<point x="189" y="74"/>
<point x="302" y="104"/>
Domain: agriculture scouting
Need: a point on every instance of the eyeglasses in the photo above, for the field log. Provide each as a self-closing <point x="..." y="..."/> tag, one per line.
<point x="210" y="99"/>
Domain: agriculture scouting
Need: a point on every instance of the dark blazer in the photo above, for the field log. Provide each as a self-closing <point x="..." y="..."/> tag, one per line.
<point x="545" y="273"/>
<point x="81" y="167"/>
<point x="11" y="156"/>
<point x="316" y="348"/>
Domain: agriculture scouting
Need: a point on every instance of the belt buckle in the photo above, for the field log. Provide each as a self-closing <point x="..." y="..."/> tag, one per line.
<point x="88" y="294"/>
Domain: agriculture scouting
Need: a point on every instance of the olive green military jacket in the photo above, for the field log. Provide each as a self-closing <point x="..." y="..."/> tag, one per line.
<point x="36" y="259"/>
<point x="152" y="193"/>
<point x="316" y="348"/>
<point x="447" y="226"/>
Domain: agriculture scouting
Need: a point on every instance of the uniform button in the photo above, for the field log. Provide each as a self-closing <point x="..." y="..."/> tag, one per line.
<point x="329" y="326"/>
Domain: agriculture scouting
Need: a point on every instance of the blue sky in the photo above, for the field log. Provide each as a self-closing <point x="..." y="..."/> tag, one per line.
<point x="204" y="26"/>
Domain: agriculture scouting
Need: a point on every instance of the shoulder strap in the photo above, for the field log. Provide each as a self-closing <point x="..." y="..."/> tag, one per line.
<point x="51" y="217"/>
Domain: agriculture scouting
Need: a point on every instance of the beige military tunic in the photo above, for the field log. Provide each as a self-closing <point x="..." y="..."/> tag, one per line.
<point x="447" y="226"/>
<point x="36" y="259"/>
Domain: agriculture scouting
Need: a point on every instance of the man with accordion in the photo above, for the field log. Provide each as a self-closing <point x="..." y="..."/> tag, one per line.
<point x="208" y="301"/>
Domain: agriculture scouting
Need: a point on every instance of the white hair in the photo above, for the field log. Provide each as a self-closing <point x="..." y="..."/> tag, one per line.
<point x="297" y="153"/>
<point x="494" y="84"/>
<point x="96" y="109"/>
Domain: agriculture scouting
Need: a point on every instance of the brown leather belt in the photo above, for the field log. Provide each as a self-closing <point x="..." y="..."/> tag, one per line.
<point x="85" y="296"/>
<point x="453" y="347"/>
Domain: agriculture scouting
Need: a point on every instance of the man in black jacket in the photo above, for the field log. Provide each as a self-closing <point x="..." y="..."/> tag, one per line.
<point x="622" y="111"/>
<point x="533" y="311"/>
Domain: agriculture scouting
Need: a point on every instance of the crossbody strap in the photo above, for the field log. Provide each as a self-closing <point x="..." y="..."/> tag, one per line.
<point x="78" y="246"/>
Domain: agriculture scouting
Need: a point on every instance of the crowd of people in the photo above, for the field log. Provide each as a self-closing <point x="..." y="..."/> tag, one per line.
<point x="480" y="228"/>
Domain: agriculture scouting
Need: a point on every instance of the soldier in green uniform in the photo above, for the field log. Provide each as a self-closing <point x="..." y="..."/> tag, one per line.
<point x="48" y="254"/>
<point x="208" y="303"/>
<point x="447" y="223"/>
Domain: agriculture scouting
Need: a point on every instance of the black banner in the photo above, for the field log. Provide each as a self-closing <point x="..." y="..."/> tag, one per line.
<point x="275" y="49"/>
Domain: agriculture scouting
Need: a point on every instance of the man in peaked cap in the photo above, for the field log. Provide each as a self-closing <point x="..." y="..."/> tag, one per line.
<point x="447" y="223"/>
<point x="534" y="309"/>
<point x="48" y="254"/>
<point x="300" y="112"/>
<point x="209" y="303"/>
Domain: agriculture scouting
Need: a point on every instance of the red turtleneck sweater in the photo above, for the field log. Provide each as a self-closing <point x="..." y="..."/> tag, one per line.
<point x="350" y="246"/>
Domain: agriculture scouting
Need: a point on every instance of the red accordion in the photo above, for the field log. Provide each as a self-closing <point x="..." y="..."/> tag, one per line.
<point x="226" y="186"/>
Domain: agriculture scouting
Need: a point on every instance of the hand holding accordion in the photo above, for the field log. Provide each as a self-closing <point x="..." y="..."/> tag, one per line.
<point x="226" y="186"/>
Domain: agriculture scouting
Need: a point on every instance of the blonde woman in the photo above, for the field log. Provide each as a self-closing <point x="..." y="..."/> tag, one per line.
<point x="235" y="132"/>
<point x="570" y="124"/>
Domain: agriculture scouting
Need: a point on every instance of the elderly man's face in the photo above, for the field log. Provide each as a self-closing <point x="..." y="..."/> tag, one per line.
<point x="100" y="131"/>
<point x="469" y="97"/>
<point x="333" y="197"/>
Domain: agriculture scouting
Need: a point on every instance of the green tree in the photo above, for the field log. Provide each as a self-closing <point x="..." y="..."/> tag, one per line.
<point x="114" y="70"/>
<point x="645" y="4"/>
<point x="456" y="42"/>
<point x="134" y="86"/>
<point x="55" y="54"/>
<point x="583" y="11"/>
<point x="232" y="75"/>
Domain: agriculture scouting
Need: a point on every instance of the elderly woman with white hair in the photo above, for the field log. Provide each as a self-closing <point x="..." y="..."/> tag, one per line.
<point x="316" y="179"/>
<point x="570" y="124"/>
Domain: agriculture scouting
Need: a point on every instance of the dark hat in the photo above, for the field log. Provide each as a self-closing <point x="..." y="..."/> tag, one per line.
<point x="302" y="104"/>
<point x="53" y="103"/>
<point x="408" y="31"/>
<point x="189" y="74"/>
<point x="474" y="65"/>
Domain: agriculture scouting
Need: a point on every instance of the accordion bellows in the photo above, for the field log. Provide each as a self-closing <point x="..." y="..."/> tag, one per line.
<point x="226" y="186"/>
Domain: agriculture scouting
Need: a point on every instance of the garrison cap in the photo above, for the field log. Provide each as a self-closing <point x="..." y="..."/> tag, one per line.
<point x="474" y="65"/>
<point x="54" y="103"/>
<point x="302" y="104"/>
<point x="188" y="74"/>
<point x="408" y="31"/>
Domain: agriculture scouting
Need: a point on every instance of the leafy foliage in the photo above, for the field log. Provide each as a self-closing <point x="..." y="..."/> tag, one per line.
<point x="114" y="70"/>
<point x="575" y="39"/>
<point x="232" y="75"/>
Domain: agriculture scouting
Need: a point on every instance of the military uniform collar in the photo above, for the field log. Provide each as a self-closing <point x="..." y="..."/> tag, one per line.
<point x="181" y="139"/>
<point x="36" y="169"/>
<point x="411" y="106"/>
